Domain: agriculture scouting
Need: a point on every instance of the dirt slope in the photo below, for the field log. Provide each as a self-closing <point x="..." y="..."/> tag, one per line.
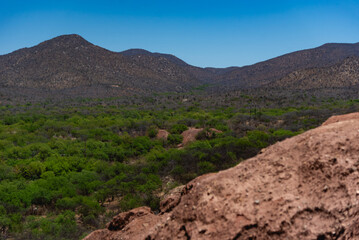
<point x="306" y="187"/>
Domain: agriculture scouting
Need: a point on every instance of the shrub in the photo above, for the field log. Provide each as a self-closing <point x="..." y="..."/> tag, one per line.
<point x="152" y="131"/>
<point x="174" y="139"/>
<point x="67" y="203"/>
<point x="178" y="128"/>
<point x="130" y="201"/>
<point x="205" y="167"/>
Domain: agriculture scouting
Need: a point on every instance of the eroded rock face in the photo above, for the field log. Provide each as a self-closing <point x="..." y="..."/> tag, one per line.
<point x="172" y="199"/>
<point x="306" y="187"/>
<point x="128" y="225"/>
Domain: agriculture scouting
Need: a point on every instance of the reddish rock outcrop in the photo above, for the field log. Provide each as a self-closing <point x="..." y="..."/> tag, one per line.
<point x="191" y="134"/>
<point x="171" y="199"/>
<point x="128" y="225"/>
<point x="306" y="187"/>
<point x="162" y="134"/>
<point x="342" y="118"/>
<point x="188" y="135"/>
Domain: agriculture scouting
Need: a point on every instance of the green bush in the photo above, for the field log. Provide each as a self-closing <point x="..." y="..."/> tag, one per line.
<point x="178" y="128"/>
<point x="32" y="170"/>
<point x="283" y="133"/>
<point x="67" y="203"/>
<point x="152" y="131"/>
<point x="174" y="139"/>
<point x="205" y="167"/>
<point x="259" y="138"/>
<point x="130" y="201"/>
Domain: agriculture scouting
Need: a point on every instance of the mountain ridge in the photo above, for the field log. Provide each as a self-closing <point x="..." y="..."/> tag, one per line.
<point x="322" y="56"/>
<point x="139" y="51"/>
<point x="71" y="62"/>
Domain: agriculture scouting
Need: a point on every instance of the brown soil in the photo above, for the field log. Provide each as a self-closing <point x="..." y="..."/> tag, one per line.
<point x="306" y="187"/>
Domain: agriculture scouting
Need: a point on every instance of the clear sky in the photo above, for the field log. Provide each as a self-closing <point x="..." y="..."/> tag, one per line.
<point x="203" y="33"/>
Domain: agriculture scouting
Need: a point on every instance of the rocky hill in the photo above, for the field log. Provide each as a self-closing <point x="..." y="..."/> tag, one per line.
<point x="305" y="187"/>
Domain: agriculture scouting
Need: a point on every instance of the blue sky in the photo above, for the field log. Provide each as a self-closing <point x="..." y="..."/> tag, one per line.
<point x="202" y="33"/>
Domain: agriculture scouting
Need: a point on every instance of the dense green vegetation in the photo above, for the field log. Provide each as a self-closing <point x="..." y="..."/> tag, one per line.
<point x="65" y="171"/>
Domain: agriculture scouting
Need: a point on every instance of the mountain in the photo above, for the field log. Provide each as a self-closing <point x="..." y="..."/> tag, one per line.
<point x="301" y="188"/>
<point x="70" y="61"/>
<point x="263" y="73"/>
<point x="142" y="52"/>
<point x="342" y="74"/>
<point x="69" y="65"/>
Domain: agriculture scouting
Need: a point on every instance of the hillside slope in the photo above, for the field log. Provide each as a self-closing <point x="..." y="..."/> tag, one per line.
<point x="265" y="72"/>
<point x="342" y="74"/>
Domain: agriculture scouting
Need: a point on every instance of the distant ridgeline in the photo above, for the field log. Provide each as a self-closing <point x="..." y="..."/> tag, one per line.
<point x="70" y="67"/>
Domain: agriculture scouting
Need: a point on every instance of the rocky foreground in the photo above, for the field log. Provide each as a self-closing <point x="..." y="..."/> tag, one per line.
<point x="306" y="187"/>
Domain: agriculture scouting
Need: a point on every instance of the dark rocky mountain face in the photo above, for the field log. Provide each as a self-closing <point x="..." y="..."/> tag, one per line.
<point x="72" y="66"/>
